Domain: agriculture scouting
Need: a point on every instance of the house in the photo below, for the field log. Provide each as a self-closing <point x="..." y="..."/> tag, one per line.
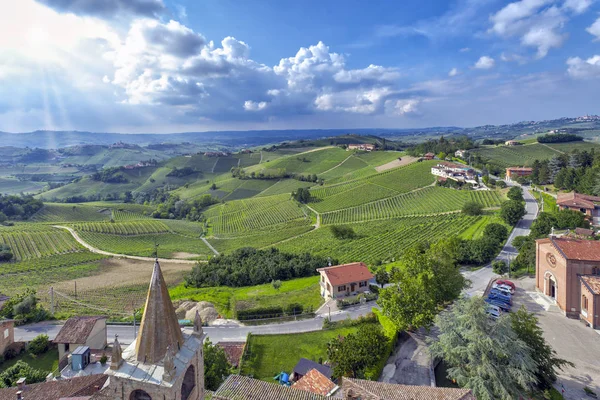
<point x="589" y="205"/>
<point x="344" y="280"/>
<point x="362" y="146"/>
<point x="515" y="172"/>
<point x="81" y="331"/>
<point x="567" y="271"/>
<point x="456" y="172"/>
<point x="7" y="334"/>
<point x="77" y="388"/>
<point x="429" y="156"/>
<point x="305" y="365"/>
<point x="315" y="382"/>
<point x="460" y="153"/>
<point x="512" y="143"/>
<point x="233" y="351"/>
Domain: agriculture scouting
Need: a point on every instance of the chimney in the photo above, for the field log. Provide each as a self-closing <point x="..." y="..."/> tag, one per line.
<point x="19" y="395"/>
<point x="21" y="384"/>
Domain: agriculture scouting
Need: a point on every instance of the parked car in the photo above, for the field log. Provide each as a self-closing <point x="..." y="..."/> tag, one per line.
<point x="503" y="286"/>
<point x="507" y="283"/>
<point x="500" y="297"/>
<point x="502" y="306"/>
<point x="501" y="290"/>
<point x="493" y="307"/>
<point x="492" y="313"/>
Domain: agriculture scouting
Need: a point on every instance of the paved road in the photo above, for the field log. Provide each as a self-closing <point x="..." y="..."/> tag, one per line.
<point x="481" y="277"/>
<point x="215" y="333"/>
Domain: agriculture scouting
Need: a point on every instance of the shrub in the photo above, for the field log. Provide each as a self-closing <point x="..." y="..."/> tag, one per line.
<point x="472" y="208"/>
<point x="11" y="375"/>
<point x="260" y="313"/>
<point x="103" y="359"/>
<point x="5" y="253"/>
<point x="499" y="267"/>
<point x="515" y="193"/>
<point x="349" y="301"/>
<point x="293" y="309"/>
<point x="39" y="345"/>
<point x="276" y="284"/>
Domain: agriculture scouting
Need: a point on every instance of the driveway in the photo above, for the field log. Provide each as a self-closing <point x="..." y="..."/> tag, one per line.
<point x="570" y="339"/>
<point x="411" y="362"/>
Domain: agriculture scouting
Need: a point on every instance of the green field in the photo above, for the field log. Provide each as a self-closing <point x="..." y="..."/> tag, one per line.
<point x="57" y="212"/>
<point x="31" y="241"/>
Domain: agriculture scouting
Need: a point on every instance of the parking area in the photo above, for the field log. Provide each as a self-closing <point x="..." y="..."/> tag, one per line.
<point x="570" y="339"/>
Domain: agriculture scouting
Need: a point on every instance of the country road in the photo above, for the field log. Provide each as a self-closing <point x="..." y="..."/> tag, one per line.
<point x="98" y="251"/>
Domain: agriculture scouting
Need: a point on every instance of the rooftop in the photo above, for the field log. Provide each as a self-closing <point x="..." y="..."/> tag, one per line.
<point x="238" y="387"/>
<point x="575" y="249"/>
<point x="305" y="365"/>
<point x="523" y="169"/>
<point x="233" y="351"/>
<point x="390" y="391"/>
<point x="315" y="382"/>
<point x="592" y="282"/>
<point x="77" y="330"/>
<point x="55" y="390"/>
<point x="579" y="200"/>
<point x="347" y="273"/>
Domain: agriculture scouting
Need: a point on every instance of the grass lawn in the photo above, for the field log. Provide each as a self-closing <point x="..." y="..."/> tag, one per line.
<point x="549" y="201"/>
<point x="46" y="362"/>
<point x="302" y="290"/>
<point x="475" y="231"/>
<point x="272" y="354"/>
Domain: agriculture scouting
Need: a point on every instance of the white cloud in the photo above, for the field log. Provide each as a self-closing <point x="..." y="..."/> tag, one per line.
<point x="250" y="105"/>
<point x="107" y="8"/>
<point x="405" y="106"/>
<point x="453" y="72"/>
<point x="582" y="69"/>
<point x="485" y="62"/>
<point x="465" y="50"/>
<point x="578" y="6"/>
<point x="594" y="29"/>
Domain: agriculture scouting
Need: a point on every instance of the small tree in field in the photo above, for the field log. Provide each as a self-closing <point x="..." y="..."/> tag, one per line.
<point x="276" y="284"/>
<point x="472" y="208"/>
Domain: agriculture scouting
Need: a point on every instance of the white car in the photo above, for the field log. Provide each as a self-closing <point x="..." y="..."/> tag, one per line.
<point x="503" y="287"/>
<point x="493" y="308"/>
<point x="493" y="313"/>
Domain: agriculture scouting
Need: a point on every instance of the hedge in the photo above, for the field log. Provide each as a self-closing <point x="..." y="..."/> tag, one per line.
<point x="272" y="312"/>
<point x="374" y="372"/>
<point x="348" y="301"/>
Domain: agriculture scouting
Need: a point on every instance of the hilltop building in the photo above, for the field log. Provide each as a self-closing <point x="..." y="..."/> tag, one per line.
<point x="456" y="172"/>
<point x="362" y="146"/>
<point x="516" y="172"/>
<point x="589" y="205"/>
<point x="567" y="271"/>
<point x="460" y="153"/>
<point x="511" y="143"/>
<point x="429" y="156"/>
<point x="344" y="280"/>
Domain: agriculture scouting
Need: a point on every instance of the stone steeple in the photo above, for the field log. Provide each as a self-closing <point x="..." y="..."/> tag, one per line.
<point x="159" y="328"/>
<point x="116" y="359"/>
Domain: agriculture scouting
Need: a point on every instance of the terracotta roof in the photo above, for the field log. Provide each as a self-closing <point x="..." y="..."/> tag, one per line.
<point x="305" y="365"/>
<point x="577" y="200"/>
<point x="584" y="232"/>
<point x="233" y="351"/>
<point x="347" y="273"/>
<point x="576" y="249"/>
<point x="54" y="390"/>
<point x="315" y="382"/>
<point x="390" y="391"/>
<point x="238" y="387"/>
<point x="592" y="282"/>
<point x="523" y="169"/>
<point x="76" y="330"/>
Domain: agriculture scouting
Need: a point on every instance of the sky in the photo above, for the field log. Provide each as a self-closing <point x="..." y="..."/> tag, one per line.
<point x="160" y="66"/>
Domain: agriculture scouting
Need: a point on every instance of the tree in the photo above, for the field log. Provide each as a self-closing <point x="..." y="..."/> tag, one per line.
<point x="441" y="155"/>
<point x="302" y="195"/>
<point x="276" y="284"/>
<point x="342" y="232"/>
<point x="21" y="369"/>
<point x="351" y="355"/>
<point x="213" y="186"/>
<point x="570" y="219"/>
<point x="512" y="211"/>
<point x="5" y="253"/>
<point x="515" y="193"/>
<point x="472" y="208"/>
<point x="382" y="277"/>
<point x="543" y="225"/>
<point x="39" y="345"/>
<point x="484" y="355"/>
<point x="501" y="184"/>
<point x="499" y="267"/>
<point x="496" y="231"/>
<point x="526" y="327"/>
<point x="216" y="366"/>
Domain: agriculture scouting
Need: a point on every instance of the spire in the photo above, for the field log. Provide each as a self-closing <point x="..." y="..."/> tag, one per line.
<point x="197" y="324"/>
<point x="116" y="358"/>
<point x="159" y="328"/>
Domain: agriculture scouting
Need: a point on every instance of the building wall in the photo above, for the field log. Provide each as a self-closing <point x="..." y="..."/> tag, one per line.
<point x="7" y="335"/>
<point x="592" y="309"/>
<point x="334" y="292"/>
<point x="97" y="338"/>
<point x="62" y="349"/>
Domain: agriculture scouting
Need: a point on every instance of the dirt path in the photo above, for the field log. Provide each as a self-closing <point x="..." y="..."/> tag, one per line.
<point x="558" y="151"/>
<point x="396" y="163"/>
<point x="106" y="253"/>
<point x="210" y="246"/>
<point x="332" y="168"/>
<point x="318" y="224"/>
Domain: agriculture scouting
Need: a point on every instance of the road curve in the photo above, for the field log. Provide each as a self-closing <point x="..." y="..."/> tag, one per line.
<point x="106" y="253"/>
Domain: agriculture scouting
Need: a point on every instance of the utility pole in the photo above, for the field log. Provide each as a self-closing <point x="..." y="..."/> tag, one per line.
<point x="75" y="288"/>
<point x="52" y="301"/>
<point x="134" y="333"/>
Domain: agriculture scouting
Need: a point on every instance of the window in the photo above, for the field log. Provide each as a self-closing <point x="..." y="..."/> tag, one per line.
<point x="341" y="288"/>
<point x="189" y="383"/>
<point x="139" y="395"/>
<point x="6" y="334"/>
<point x="362" y="284"/>
<point x="329" y="288"/>
<point x="595" y="271"/>
<point x="584" y="303"/>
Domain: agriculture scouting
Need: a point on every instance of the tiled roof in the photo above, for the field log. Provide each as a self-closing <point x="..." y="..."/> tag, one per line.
<point x="305" y="365"/>
<point x="233" y="351"/>
<point x="347" y="273"/>
<point x="579" y="200"/>
<point x="315" y="382"/>
<point x="592" y="282"/>
<point x="238" y="387"/>
<point x="55" y="390"/>
<point x="389" y="391"/>
<point x="76" y="330"/>
<point x="584" y="232"/>
<point x="576" y="249"/>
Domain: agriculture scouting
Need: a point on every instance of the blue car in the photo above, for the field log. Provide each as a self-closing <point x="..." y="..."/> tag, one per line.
<point x="501" y="292"/>
<point x="499" y="297"/>
<point x="503" y="306"/>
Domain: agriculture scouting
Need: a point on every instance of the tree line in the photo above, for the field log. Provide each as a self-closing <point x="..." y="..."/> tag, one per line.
<point x="442" y="145"/>
<point x="18" y="207"/>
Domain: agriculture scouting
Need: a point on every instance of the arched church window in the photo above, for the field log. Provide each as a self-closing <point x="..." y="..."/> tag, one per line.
<point x="139" y="395"/>
<point x="189" y="383"/>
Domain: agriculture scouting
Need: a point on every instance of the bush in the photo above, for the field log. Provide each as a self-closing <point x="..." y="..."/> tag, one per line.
<point x="512" y="211"/>
<point x="349" y="301"/>
<point x="11" y="375"/>
<point x="103" y="359"/>
<point x="499" y="267"/>
<point x="501" y="184"/>
<point x="276" y="284"/>
<point x="472" y="208"/>
<point x="5" y="253"/>
<point x="39" y="345"/>
<point x="259" y="313"/>
<point x="293" y="309"/>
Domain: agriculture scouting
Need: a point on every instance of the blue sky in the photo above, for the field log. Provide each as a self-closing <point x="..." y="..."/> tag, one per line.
<point x="178" y="65"/>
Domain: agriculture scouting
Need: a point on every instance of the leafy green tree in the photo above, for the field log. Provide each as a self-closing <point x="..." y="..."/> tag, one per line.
<point x="519" y="241"/>
<point x="472" y="208"/>
<point x="342" y="232"/>
<point x="499" y="267"/>
<point x="570" y="219"/>
<point x="512" y="211"/>
<point x="39" y="345"/>
<point x="441" y="155"/>
<point x="351" y="355"/>
<point x="302" y="195"/>
<point x="515" y="193"/>
<point x="496" y="231"/>
<point x="484" y="355"/>
<point x="216" y="366"/>
<point x="382" y="277"/>
<point x="5" y="253"/>
<point x="543" y="225"/>
<point x="21" y="369"/>
<point x="526" y="327"/>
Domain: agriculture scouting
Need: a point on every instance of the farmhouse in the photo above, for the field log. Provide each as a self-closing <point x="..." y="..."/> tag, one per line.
<point x="589" y="205"/>
<point x="429" y="156"/>
<point x="511" y="143"/>
<point x="515" y="172"/>
<point x="80" y="331"/>
<point x="344" y="280"/>
<point x="568" y="272"/>
<point x="7" y="334"/>
<point x="456" y="172"/>
<point x="460" y="153"/>
<point x="362" y="146"/>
